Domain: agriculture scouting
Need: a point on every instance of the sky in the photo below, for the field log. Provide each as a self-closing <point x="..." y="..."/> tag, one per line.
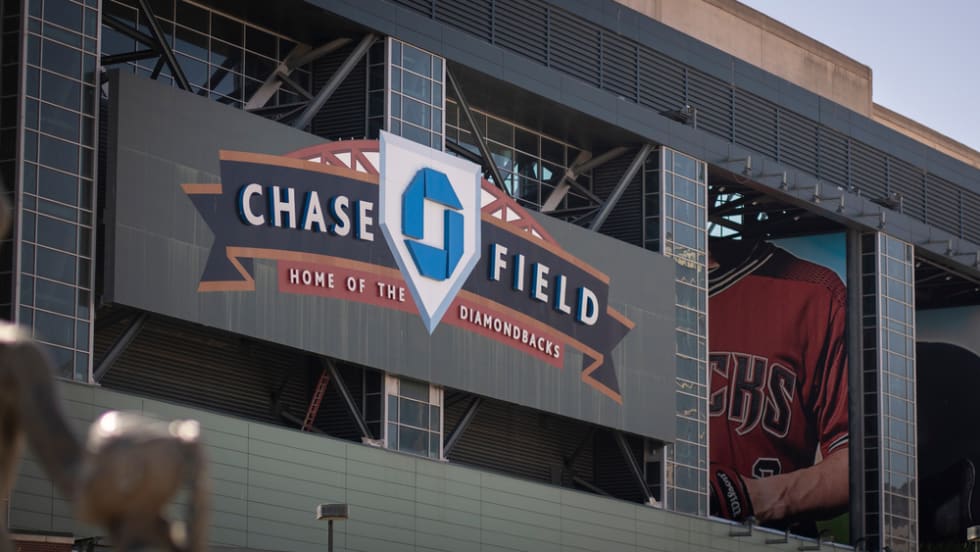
<point x="924" y="56"/>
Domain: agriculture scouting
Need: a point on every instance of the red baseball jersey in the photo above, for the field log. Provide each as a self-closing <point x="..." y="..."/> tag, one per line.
<point x="778" y="361"/>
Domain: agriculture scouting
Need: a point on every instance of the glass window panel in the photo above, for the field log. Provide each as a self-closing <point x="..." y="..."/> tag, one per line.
<point x="224" y="54"/>
<point x="55" y="265"/>
<point x="81" y="335"/>
<point x="62" y="59"/>
<point x="413" y="413"/>
<point x="62" y="359"/>
<point x="414" y="389"/>
<point x="54" y="297"/>
<point x="193" y="16"/>
<point x="392" y="436"/>
<point x="191" y="43"/>
<point x="62" y="35"/>
<point x="30" y="145"/>
<point x="413" y="440"/>
<point x="26" y="290"/>
<point x="53" y="328"/>
<point x="260" y="41"/>
<point x="433" y="445"/>
<point x="258" y="67"/>
<point x="415" y="134"/>
<point x="415" y="112"/>
<point x="56" y="209"/>
<point x="59" y="154"/>
<point x="81" y="366"/>
<point x="553" y="151"/>
<point x="435" y="420"/>
<point x="227" y="29"/>
<point x="416" y="87"/>
<point x="84" y="303"/>
<point x="392" y="407"/>
<point x="416" y="60"/>
<point x="56" y="233"/>
<point x="60" y="122"/>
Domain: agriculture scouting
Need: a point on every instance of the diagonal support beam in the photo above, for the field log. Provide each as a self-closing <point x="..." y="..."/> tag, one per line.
<point x="129" y="56"/>
<point x="331" y="86"/>
<point x="161" y="44"/>
<point x="633" y="465"/>
<point x="617" y="192"/>
<point x="464" y="422"/>
<point x="578" y="168"/>
<point x="119" y="347"/>
<point x="481" y="142"/>
<point x="123" y="27"/>
<point x="300" y="55"/>
<point x="348" y="398"/>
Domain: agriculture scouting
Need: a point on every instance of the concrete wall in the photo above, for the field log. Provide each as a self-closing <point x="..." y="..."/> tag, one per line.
<point x="267" y="481"/>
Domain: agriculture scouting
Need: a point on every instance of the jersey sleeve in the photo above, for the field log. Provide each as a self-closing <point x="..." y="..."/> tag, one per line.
<point x="831" y="407"/>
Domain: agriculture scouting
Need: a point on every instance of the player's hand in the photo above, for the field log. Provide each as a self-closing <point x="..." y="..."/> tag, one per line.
<point x="729" y="496"/>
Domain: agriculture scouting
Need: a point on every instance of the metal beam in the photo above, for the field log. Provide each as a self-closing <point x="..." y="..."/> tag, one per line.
<point x="129" y="56"/>
<point x="331" y="86"/>
<point x="579" y="167"/>
<point x="633" y="466"/>
<point x="617" y="192"/>
<point x="125" y="28"/>
<point x="300" y="55"/>
<point x="348" y="398"/>
<point x="119" y="347"/>
<point x="163" y="46"/>
<point x="481" y="143"/>
<point x="464" y="422"/>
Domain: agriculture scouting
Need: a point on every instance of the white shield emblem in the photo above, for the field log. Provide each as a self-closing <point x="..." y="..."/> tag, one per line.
<point x="430" y="217"/>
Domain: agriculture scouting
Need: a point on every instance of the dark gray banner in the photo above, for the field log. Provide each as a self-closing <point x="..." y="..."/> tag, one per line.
<point x="179" y="245"/>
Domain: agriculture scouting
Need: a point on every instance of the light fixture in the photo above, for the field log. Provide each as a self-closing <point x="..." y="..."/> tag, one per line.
<point x="331" y="513"/>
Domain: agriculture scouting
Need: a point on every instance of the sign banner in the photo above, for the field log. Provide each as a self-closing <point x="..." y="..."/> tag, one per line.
<point x="464" y="254"/>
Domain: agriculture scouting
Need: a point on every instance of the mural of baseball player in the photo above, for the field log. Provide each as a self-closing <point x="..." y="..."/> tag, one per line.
<point x="778" y="398"/>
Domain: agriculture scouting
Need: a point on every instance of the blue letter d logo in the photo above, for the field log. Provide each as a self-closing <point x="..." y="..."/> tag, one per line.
<point x="432" y="262"/>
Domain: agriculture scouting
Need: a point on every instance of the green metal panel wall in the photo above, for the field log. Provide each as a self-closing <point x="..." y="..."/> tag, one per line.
<point x="267" y="481"/>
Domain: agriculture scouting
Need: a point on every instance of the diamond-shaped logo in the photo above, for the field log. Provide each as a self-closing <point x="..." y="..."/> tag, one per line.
<point x="430" y="215"/>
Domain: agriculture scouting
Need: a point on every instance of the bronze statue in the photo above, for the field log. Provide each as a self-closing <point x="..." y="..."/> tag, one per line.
<point x="126" y="473"/>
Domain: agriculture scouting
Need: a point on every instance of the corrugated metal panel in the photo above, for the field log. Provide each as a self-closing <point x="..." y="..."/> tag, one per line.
<point x="971" y="216"/>
<point x="797" y="141"/>
<point x="944" y="204"/>
<point x="584" y="49"/>
<point x="517" y="440"/>
<point x="833" y="157"/>
<point x="611" y="472"/>
<point x="755" y="123"/>
<point x="345" y="113"/>
<point x="662" y="81"/>
<point x="904" y="178"/>
<point x="868" y="170"/>
<point x="713" y="100"/>
<point x="619" y="66"/>
<point x="207" y="368"/>
<point x="472" y="16"/>
<point x="624" y="222"/>
<point x="521" y="26"/>
<point x="575" y="46"/>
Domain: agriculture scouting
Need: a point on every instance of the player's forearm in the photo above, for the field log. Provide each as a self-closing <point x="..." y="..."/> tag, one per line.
<point x="822" y="488"/>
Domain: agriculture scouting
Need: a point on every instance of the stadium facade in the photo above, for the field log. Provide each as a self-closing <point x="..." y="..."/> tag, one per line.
<point x="455" y="264"/>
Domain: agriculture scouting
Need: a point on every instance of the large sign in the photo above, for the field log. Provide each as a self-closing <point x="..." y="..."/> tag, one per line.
<point x="319" y="220"/>
<point x="382" y="254"/>
<point x="778" y="404"/>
